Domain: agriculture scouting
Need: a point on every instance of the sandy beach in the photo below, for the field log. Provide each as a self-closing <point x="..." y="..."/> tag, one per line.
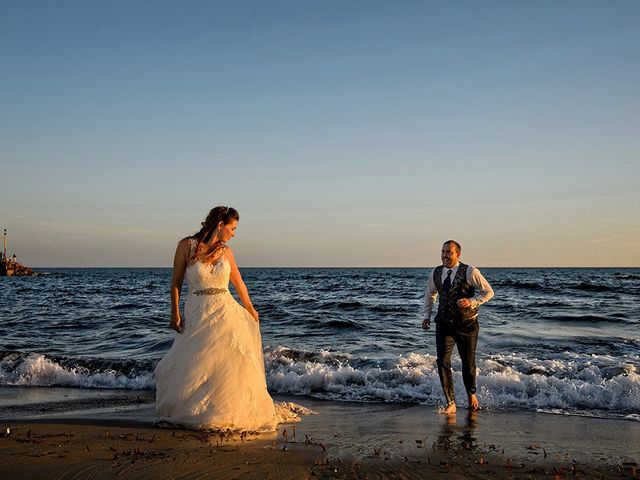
<point x="69" y="433"/>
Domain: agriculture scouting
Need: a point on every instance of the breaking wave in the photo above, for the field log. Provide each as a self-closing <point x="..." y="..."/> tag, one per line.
<point x="597" y="385"/>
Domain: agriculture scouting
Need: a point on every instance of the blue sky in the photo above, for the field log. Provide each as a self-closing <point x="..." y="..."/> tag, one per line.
<point x="356" y="133"/>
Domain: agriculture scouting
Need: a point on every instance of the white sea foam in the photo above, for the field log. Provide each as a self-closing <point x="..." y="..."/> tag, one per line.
<point x="38" y="370"/>
<point x="575" y="382"/>
<point x="568" y="383"/>
<point x="572" y="383"/>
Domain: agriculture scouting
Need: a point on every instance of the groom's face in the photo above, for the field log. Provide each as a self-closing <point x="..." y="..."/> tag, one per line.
<point x="449" y="255"/>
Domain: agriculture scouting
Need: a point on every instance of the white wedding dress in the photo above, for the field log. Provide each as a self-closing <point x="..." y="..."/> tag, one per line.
<point x="213" y="376"/>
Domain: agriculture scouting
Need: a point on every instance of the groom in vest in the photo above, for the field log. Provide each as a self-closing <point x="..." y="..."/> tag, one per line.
<point x="461" y="289"/>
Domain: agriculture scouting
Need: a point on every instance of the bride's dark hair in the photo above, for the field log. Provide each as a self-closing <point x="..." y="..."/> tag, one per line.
<point x="205" y="252"/>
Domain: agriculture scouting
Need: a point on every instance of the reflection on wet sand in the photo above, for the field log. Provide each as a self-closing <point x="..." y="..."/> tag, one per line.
<point x="458" y="436"/>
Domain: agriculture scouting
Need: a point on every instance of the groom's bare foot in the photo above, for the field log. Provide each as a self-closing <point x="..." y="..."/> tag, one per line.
<point x="450" y="409"/>
<point x="473" y="403"/>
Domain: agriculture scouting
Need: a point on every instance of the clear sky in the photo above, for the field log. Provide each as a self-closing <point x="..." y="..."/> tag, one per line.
<point x="347" y="133"/>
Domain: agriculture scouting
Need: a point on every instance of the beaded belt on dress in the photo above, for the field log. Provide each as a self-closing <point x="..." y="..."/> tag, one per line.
<point x="211" y="291"/>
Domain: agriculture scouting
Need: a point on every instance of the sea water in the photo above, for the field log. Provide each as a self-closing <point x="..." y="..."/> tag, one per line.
<point x="553" y="340"/>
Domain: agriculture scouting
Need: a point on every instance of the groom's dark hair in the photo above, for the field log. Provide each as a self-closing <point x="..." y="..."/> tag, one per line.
<point x="455" y="244"/>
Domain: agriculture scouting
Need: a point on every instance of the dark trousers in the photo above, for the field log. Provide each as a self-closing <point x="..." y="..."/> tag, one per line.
<point x="466" y="338"/>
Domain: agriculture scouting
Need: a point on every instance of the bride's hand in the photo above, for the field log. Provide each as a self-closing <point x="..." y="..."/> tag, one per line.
<point x="254" y="313"/>
<point x="176" y="323"/>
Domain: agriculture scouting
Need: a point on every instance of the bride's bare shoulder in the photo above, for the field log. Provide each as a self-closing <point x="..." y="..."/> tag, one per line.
<point x="186" y="242"/>
<point x="185" y="245"/>
<point x="228" y="253"/>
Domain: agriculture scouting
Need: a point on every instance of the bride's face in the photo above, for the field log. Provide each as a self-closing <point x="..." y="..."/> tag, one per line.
<point x="228" y="231"/>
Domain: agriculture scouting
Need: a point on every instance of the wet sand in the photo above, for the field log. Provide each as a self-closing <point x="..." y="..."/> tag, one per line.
<point x="67" y="433"/>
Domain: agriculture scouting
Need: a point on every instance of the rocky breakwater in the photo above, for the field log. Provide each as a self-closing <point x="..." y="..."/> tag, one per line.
<point x="11" y="269"/>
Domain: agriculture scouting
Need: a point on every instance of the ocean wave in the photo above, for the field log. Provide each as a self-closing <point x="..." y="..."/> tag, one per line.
<point x="582" y="319"/>
<point x="627" y="276"/>
<point x="573" y="383"/>
<point x="301" y="301"/>
<point x="126" y="306"/>
<point x="332" y="324"/>
<point x="521" y="285"/>
<point x="560" y="304"/>
<point x="339" y="324"/>
<point x="344" y="305"/>
<point x="35" y="369"/>
<point x="592" y="287"/>
<point x="576" y="383"/>
<point x="390" y="309"/>
<point x="74" y="325"/>
<point x="290" y="356"/>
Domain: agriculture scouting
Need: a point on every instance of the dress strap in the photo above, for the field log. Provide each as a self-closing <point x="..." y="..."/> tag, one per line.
<point x="193" y="243"/>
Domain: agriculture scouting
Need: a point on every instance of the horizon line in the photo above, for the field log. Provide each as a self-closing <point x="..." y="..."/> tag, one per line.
<point x="344" y="267"/>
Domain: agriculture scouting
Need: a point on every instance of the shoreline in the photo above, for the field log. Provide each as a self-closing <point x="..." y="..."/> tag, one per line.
<point x="117" y="436"/>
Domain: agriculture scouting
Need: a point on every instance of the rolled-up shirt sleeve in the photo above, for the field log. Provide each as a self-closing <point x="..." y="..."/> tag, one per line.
<point x="483" y="291"/>
<point x="430" y="297"/>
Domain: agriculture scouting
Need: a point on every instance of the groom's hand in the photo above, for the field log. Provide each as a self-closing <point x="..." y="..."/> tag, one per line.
<point x="426" y="323"/>
<point x="464" y="303"/>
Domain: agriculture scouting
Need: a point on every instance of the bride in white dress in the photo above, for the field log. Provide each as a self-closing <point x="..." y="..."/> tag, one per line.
<point x="213" y="376"/>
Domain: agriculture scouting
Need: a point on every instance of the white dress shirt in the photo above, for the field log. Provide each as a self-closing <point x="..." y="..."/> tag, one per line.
<point x="483" y="291"/>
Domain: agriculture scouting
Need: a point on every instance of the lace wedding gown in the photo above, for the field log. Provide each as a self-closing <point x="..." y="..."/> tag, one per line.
<point x="213" y="376"/>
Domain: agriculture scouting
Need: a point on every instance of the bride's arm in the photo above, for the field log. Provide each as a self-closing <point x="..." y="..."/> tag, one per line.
<point x="241" y="288"/>
<point x="179" y="267"/>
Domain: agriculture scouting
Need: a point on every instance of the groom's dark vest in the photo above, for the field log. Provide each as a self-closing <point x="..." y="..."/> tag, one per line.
<point x="448" y="310"/>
